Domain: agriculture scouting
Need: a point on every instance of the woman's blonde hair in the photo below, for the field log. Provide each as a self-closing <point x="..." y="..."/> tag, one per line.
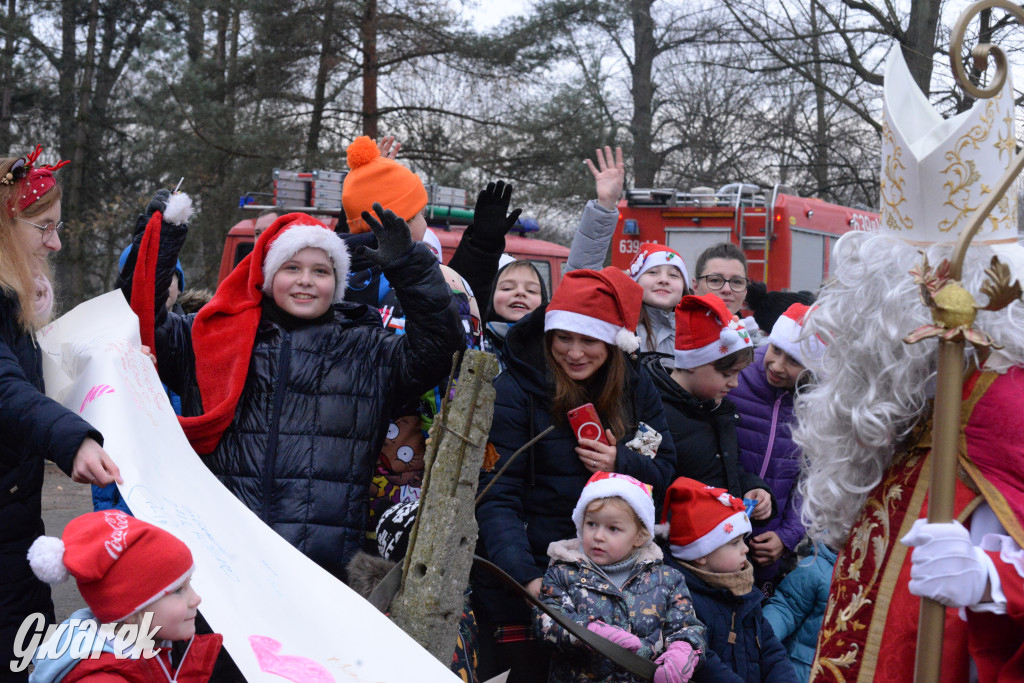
<point x="17" y="271"/>
<point x="604" y="389"/>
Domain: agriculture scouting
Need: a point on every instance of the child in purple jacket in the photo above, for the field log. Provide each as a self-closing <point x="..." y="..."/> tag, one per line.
<point x="764" y="400"/>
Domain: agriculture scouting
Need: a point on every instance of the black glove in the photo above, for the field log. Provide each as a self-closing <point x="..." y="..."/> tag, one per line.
<point x="157" y="203"/>
<point x="393" y="237"/>
<point x="491" y="220"/>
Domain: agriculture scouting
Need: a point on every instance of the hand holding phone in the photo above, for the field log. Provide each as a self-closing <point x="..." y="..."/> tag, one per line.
<point x="586" y="424"/>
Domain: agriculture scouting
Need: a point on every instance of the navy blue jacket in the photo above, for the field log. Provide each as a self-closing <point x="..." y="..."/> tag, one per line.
<point x="32" y="427"/>
<point x="531" y="504"/>
<point x="755" y="655"/>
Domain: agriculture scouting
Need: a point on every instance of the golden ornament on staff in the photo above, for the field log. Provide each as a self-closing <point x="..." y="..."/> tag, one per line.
<point x="953" y="310"/>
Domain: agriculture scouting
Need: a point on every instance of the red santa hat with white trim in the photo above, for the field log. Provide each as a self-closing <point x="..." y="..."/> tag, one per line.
<point x="121" y="564"/>
<point x="637" y="495"/>
<point x="603" y="304"/>
<point x="652" y="255"/>
<point x="706" y="330"/>
<point x="786" y="336"/>
<point x="701" y="518"/>
<point x="299" y="233"/>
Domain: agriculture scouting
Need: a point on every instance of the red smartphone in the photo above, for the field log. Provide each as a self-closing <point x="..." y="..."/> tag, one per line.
<point x="587" y="424"/>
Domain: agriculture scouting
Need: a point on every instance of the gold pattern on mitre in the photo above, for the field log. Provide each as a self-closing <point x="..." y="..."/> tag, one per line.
<point x="936" y="172"/>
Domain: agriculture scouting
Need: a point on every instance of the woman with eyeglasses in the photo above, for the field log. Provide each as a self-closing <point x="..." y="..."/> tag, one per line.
<point x="32" y="426"/>
<point x="722" y="271"/>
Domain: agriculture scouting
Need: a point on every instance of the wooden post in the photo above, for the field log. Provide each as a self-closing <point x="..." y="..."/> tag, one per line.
<point x="441" y="546"/>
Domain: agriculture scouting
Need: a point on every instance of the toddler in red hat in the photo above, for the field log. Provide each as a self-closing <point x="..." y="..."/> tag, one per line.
<point x="660" y="270"/>
<point x="612" y="579"/>
<point x="707" y="528"/>
<point x="711" y="348"/>
<point x="133" y="573"/>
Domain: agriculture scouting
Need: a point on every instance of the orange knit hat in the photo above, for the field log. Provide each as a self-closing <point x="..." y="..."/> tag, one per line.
<point x="372" y="178"/>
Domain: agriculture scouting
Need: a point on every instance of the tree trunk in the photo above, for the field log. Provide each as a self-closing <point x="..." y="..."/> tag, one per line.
<point x="820" y="158"/>
<point x="645" y="161"/>
<point x="324" y="70"/>
<point x="7" y="76"/>
<point x="919" y="44"/>
<point x="440" y="555"/>
<point x="369" y="39"/>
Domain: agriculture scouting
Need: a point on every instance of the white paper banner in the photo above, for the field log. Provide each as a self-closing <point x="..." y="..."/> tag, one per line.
<point x="281" y="615"/>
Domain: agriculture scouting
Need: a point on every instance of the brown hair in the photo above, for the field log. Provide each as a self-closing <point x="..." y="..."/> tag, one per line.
<point x="604" y="389"/>
<point x="722" y="250"/>
<point x="743" y="357"/>
<point x="16" y="267"/>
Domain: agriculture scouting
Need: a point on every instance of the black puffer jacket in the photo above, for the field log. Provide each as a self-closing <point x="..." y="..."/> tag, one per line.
<point x="314" y="410"/>
<point x="704" y="436"/>
<point x="32" y="427"/>
<point x="531" y="504"/>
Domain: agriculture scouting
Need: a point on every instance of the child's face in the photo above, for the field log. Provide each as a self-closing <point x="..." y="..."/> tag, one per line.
<point x="663" y="286"/>
<point x="726" y="559"/>
<point x="304" y="286"/>
<point x="706" y="383"/>
<point x="781" y="369"/>
<point x="175" y="613"/>
<point x="517" y="293"/>
<point x="727" y="268"/>
<point x="610" y="531"/>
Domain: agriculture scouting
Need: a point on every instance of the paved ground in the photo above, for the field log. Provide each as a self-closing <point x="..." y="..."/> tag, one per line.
<point x="63" y="500"/>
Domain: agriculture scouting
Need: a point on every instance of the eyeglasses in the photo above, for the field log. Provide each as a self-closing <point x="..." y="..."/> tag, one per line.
<point x="716" y="282"/>
<point x="47" y="230"/>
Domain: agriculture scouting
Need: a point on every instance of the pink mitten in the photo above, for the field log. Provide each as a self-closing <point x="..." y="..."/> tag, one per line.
<point x="677" y="663"/>
<point x="615" y="634"/>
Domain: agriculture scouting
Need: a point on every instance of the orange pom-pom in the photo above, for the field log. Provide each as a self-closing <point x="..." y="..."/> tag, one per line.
<point x="362" y="151"/>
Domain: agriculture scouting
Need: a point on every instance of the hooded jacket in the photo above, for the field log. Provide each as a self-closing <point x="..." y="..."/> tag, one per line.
<point x="495" y="326"/>
<point x="766" y="446"/>
<point x="531" y="505"/>
<point x="704" y="435"/>
<point x="196" y="664"/>
<point x="653" y="604"/>
<point x="33" y="427"/>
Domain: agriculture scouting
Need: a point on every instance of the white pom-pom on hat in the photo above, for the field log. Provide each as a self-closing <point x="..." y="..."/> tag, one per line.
<point x="179" y="209"/>
<point x="46" y="557"/>
<point x="626" y="340"/>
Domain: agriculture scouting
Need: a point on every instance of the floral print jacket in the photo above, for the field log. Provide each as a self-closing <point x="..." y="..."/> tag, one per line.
<point x="653" y="604"/>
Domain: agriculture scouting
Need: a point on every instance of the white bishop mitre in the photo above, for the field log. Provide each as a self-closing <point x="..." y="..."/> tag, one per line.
<point x="936" y="172"/>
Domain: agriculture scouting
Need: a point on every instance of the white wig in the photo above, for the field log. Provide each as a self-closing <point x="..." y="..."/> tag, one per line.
<point x="873" y="388"/>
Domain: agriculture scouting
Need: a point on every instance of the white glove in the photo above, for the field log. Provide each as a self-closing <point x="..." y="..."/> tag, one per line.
<point x="946" y="566"/>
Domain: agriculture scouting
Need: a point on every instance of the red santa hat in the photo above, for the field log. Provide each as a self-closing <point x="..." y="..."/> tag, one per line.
<point x="706" y="330"/>
<point x="786" y="336"/>
<point x="652" y="255"/>
<point x="121" y="564"/>
<point x="299" y="234"/>
<point x="612" y="485"/>
<point x="701" y="518"/>
<point x="603" y="304"/>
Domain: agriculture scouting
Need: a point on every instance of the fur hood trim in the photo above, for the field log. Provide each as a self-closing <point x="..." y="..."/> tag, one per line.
<point x="571" y="550"/>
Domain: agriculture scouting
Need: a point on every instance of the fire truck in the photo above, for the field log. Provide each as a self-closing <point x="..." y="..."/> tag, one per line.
<point x="787" y="239"/>
<point x="448" y="214"/>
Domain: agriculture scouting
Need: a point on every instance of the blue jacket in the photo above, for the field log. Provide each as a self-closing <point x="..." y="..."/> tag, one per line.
<point x="798" y="607"/>
<point x="32" y="428"/>
<point x="531" y="505"/>
<point x="653" y="604"/>
<point x="766" y="447"/>
<point x="755" y="655"/>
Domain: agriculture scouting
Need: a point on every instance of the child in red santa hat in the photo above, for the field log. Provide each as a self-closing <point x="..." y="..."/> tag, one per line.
<point x="660" y="270"/>
<point x="129" y="572"/>
<point x="612" y="579"/>
<point x="707" y="528"/>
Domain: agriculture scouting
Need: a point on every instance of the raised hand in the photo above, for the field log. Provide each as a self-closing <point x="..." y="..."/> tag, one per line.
<point x="609" y="175"/>
<point x="491" y="218"/>
<point x="393" y="237"/>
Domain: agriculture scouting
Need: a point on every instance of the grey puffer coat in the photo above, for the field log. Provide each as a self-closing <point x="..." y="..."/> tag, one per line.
<point x="653" y="604"/>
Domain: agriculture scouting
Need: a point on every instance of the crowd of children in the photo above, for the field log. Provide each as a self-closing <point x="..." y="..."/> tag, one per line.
<point x="653" y="357"/>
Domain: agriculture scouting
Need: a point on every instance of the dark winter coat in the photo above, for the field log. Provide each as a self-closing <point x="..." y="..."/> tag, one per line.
<point x="653" y="604"/>
<point x="704" y="435"/>
<point x="316" y="402"/>
<point x="798" y="608"/>
<point x="755" y="655"/>
<point x="531" y="505"/>
<point x="32" y="428"/>
<point x="766" y="446"/>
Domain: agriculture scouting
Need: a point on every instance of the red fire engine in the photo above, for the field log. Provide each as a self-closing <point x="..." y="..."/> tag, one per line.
<point x="787" y="239"/>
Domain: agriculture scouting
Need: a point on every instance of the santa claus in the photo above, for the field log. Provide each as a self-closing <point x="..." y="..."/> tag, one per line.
<point x="865" y="428"/>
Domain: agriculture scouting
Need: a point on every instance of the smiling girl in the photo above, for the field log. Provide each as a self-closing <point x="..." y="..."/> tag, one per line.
<point x="560" y="356"/>
<point x="662" y="273"/>
<point x="518" y="289"/>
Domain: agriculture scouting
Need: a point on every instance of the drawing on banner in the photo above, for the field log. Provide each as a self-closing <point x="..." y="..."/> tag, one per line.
<point x="291" y="667"/>
<point x="95" y="393"/>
